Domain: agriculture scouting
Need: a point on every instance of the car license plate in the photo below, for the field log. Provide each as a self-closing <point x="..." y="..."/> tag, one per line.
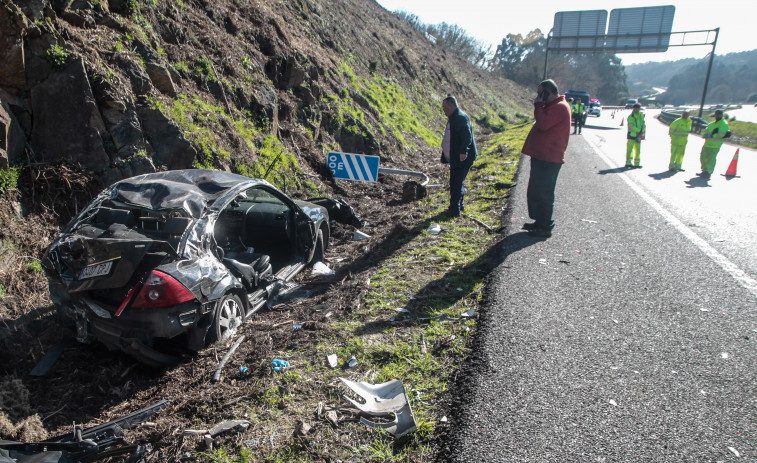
<point x="96" y="270"/>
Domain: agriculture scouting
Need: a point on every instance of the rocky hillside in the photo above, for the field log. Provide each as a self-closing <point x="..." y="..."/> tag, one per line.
<point x="122" y="87"/>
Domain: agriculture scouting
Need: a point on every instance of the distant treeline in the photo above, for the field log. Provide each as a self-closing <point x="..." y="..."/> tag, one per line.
<point x="521" y="59"/>
<point x="733" y="79"/>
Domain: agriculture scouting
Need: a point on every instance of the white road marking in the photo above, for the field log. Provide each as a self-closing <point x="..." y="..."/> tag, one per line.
<point x="739" y="275"/>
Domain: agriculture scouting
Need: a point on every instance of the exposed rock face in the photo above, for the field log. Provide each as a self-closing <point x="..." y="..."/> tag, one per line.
<point x="166" y="138"/>
<point x="140" y="81"/>
<point x="12" y="23"/>
<point x="12" y="138"/>
<point x="127" y="134"/>
<point x="135" y="165"/>
<point x="67" y="123"/>
<point x="161" y="79"/>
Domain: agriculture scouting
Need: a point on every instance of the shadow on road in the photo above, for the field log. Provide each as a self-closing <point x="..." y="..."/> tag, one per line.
<point x="614" y="170"/>
<point x="663" y="175"/>
<point x="697" y="182"/>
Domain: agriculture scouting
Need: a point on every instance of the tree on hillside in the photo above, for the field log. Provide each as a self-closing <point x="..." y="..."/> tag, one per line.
<point x="518" y="57"/>
<point x="522" y="59"/>
<point x="456" y="39"/>
<point x="451" y="37"/>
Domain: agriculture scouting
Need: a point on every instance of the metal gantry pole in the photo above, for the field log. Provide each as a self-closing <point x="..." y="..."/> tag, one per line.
<point x="709" y="69"/>
<point x="546" y="55"/>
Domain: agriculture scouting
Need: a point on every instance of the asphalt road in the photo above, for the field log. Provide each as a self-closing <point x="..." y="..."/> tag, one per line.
<point x="630" y="335"/>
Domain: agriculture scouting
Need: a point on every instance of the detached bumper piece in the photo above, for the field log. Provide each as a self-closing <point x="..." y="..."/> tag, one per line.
<point x="384" y="400"/>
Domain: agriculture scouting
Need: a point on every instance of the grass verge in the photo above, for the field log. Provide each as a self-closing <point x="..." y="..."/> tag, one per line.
<point x="414" y="324"/>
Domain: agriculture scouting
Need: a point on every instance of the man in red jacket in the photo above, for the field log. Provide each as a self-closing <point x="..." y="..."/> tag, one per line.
<point x="546" y="144"/>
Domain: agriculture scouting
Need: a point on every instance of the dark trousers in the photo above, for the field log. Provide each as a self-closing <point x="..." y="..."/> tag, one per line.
<point x="457" y="174"/>
<point x="578" y="123"/>
<point x="541" y="192"/>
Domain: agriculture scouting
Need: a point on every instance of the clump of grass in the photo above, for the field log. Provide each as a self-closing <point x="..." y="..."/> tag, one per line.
<point x="58" y="56"/>
<point x="8" y="179"/>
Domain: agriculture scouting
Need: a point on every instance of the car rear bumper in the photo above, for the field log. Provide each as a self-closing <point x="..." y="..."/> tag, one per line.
<point x="96" y="322"/>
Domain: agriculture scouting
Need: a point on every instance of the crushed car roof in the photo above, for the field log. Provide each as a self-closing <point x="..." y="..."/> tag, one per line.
<point x="193" y="190"/>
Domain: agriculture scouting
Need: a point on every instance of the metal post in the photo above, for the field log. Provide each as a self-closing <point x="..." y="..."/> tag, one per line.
<point x="709" y="68"/>
<point x="546" y="55"/>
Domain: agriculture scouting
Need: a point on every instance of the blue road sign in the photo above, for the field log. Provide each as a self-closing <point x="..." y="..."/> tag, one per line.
<point x="354" y="166"/>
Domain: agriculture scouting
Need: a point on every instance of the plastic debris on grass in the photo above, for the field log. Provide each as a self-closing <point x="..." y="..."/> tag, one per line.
<point x="386" y="400"/>
<point x="319" y="268"/>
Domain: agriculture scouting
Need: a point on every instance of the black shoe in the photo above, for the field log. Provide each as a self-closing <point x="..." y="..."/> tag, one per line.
<point x="450" y="213"/>
<point x="540" y="232"/>
<point x="637" y="166"/>
<point x="629" y="166"/>
<point x="530" y="226"/>
<point x="678" y="169"/>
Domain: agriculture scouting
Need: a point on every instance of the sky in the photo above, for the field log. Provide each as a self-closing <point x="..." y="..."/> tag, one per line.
<point x="491" y="20"/>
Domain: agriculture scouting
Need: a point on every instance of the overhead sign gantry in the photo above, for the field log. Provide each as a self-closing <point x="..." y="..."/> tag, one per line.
<point x="630" y="30"/>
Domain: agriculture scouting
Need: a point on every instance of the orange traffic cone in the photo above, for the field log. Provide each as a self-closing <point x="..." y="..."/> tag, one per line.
<point x="731" y="172"/>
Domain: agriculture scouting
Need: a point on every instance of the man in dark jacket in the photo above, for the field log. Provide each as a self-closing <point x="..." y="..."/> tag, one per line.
<point x="459" y="149"/>
<point x="546" y="144"/>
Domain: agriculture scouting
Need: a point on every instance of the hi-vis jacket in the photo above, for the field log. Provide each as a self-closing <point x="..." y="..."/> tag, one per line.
<point x="714" y="138"/>
<point x="636" y="125"/>
<point x="679" y="131"/>
<point x="578" y="108"/>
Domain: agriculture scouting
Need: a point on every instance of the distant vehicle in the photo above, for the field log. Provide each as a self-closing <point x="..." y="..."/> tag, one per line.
<point x="630" y="102"/>
<point x="580" y="95"/>
<point x="595" y="108"/>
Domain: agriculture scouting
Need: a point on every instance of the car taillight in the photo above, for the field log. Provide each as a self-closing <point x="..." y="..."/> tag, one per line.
<point x="161" y="290"/>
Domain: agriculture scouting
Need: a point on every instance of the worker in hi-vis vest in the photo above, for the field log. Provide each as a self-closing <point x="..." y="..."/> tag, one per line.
<point x="636" y="128"/>
<point x="578" y="109"/>
<point x="713" y="140"/>
<point x="679" y="136"/>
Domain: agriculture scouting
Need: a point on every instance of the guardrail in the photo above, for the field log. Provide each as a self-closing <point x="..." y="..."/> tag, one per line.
<point x="697" y="125"/>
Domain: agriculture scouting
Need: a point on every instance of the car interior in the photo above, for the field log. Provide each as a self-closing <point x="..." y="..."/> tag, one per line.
<point x="256" y="235"/>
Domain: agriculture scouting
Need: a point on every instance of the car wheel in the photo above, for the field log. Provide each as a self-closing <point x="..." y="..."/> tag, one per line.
<point x="319" y="250"/>
<point x="228" y="317"/>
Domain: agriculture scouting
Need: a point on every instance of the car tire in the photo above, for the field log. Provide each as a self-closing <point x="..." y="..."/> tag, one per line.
<point x="319" y="250"/>
<point x="228" y="316"/>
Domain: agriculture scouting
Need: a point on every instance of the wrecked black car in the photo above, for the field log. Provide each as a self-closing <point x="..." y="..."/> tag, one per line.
<point x="187" y="253"/>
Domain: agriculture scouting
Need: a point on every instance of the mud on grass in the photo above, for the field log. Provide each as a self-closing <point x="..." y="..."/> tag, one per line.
<point x="396" y="303"/>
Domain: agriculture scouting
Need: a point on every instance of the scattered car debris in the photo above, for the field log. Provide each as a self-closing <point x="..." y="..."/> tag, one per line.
<point x="280" y="365"/>
<point x="384" y="400"/>
<point x="322" y="269"/>
<point x="468" y="313"/>
<point x="225" y="426"/>
<point x="217" y="375"/>
<point x="357" y="235"/>
<point x="333" y="360"/>
<point x="339" y="211"/>
<point x="435" y="228"/>
<point x="352" y="362"/>
<point x="84" y="444"/>
<point x="47" y="362"/>
<point x="192" y="252"/>
<point x="208" y="435"/>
